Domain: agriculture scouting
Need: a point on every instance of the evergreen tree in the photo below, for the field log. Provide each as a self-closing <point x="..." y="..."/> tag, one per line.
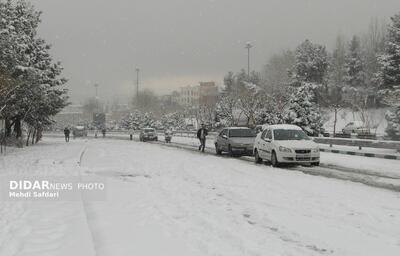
<point x="37" y="91"/>
<point x="303" y="112"/>
<point x="355" y="74"/>
<point x="390" y="60"/>
<point x="311" y="64"/>
<point x="390" y="77"/>
<point x="337" y="67"/>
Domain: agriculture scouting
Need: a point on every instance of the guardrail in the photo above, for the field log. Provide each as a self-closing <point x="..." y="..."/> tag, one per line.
<point x="360" y="143"/>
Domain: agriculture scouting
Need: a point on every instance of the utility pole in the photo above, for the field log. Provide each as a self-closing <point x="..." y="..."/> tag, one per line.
<point x="248" y="47"/>
<point x="137" y="85"/>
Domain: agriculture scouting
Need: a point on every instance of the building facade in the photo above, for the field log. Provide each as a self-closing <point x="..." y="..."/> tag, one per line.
<point x="204" y="94"/>
<point x="208" y="94"/>
<point x="189" y="96"/>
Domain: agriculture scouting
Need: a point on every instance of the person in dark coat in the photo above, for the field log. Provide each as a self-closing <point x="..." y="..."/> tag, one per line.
<point x="103" y="131"/>
<point x="66" y="134"/>
<point x="201" y="135"/>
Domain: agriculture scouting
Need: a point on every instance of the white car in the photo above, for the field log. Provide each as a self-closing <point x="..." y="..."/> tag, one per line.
<point x="284" y="143"/>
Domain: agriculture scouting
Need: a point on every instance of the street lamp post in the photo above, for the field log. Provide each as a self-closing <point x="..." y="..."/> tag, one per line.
<point x="248" y="47"/>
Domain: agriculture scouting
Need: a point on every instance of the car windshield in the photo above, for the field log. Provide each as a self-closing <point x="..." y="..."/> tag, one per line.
<point x="241" y="133"/>
<point x="281" y="134"/>
<point x="148" y="130"/>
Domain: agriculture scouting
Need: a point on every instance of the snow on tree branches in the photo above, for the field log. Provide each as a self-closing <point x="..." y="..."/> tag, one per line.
<point x="389" y="77"/>
<point x="303" y="110"/>
<point x="31" y="88"/>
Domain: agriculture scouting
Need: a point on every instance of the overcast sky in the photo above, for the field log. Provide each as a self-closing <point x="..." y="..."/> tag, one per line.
<point x="181" y="42"/>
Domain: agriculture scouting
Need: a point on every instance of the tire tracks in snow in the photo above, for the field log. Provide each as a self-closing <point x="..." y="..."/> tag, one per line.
<point x="366" y="177"/>
<point x="84" y="203"/>
<point x="369" y="178"/>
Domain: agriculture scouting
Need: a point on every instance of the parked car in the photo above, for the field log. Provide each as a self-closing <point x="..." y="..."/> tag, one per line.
<point x="148" y="134"/>
<point x="235" y="141"/>
<point x="283" y="143"/>
<point x="79" y="131"/>
<point x="357" y="127"/>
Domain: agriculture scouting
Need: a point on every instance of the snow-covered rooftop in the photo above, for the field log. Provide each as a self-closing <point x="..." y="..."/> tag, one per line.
<point x="282" y="126"/>
<point x="237" y="128"/>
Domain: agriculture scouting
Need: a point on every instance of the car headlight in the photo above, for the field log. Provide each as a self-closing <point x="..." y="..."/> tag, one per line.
<point x="283" y="149"/>
<point x="315" y="150"/>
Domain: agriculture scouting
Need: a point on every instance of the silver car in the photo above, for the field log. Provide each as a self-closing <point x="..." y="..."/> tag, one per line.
<point x="235" y="141"/>
<point x="79" y="131"/>
<point x="148" y="134"/>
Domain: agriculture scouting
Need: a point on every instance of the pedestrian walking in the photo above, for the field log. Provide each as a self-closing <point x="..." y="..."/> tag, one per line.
<point x="202" y="135"/>
<point x="66" y="134"/>
<point x="103" y="131"/>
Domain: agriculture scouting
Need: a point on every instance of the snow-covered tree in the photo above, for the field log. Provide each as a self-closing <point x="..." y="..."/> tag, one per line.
<point x="273" y="109"/>
<point x="390" y="60"/>
<point x="226" y="109"/>
<point x="390" y="76"/>
<point x="242" y="96"/>
<point x="311" y="64"/>
<point x="355" y="67"/>
<point x="393" y="115"/>
<point x="37" y="91"/>
<point x="174" y="120"/>
<point x="302" y="110"/>
<point x="359" y="94"/>
<point x="138" y="120"/>
<point x="251" y="101"/>
<point x="337" y="67"/>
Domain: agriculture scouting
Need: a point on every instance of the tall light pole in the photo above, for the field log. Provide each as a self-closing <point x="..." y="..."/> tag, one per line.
<point x="248" y="47"/>
<point x="137" y="84"/>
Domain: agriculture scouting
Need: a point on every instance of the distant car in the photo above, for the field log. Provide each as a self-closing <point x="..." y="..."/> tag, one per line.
<point x="79" y="131"/>
<point x="148" y="134"/>
<point x="357" y="127"/>
<point x="285" y="144"/>
<point x="235" y="141"/>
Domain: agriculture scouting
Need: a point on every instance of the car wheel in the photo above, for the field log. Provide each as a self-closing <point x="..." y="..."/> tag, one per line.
<point x="257" y="157"/>
<point x="230" y="152"/>
<point x="217" y="149"/>
<point x="274" y="160"/>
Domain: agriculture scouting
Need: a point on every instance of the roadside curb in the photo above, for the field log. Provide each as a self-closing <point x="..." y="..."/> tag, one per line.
<point x="354" y="153"/>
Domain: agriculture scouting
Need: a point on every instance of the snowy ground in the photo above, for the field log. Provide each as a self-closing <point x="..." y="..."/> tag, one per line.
<point x="167" y="201"/>
<point x="376" y="119"/>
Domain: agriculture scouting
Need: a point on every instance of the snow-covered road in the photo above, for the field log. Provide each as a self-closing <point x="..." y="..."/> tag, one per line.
<point x="380" y="173"/>
<point x="168" y="201"/>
